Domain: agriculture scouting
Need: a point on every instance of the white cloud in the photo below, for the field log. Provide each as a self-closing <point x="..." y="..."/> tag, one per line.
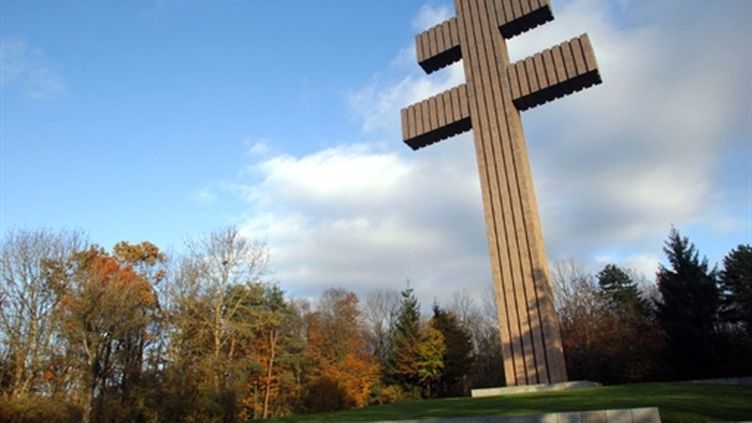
<point x="644" y="264"/>
<point x="203" y="195"/>
<point x="623" y="161"/>
<point x="28" y="67"/>
<point x="429" y="16"/>
<point x="257" y="148"/>
<point x="361" y="218"/>
<point x="338" y="176"/>
<point x="378" y="104"/>
<point x="614" y="166"/>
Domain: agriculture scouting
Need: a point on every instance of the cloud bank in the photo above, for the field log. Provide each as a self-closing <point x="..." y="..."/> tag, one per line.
<point x="657" y="144"/>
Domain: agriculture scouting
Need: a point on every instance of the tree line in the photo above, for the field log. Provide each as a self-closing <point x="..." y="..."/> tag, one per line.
<point x="132" y="334"/>
<point x="693" y="322"/>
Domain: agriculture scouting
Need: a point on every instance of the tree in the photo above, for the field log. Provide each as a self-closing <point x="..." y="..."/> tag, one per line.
<point x="380" y="312"/>
<point x="482" y="324"/>
<point x="105" y="309"/>
<point x="263" y="341"/>
<point x="207" y="316"/>
<point x="583" y="317"/>
<point x="604" y="337"/>
<point x="341" y="372"/>
<point x="271" y="320"/>
<point x="403" y="359"/>
<point x="736" y="281"/>
<point x="688" y="311"/>
<point x="457" y="358"/>
<point x="147" y="261"/>
<point x="633" y="326"/>
<point x="621" y="290"/>
<point x="430" y="359"/>
<point x="27" y="304"/>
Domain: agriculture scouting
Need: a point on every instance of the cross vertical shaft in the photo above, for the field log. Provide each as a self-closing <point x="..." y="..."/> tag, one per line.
<point x="529" y="329"/>
<point x="489" y="104"/>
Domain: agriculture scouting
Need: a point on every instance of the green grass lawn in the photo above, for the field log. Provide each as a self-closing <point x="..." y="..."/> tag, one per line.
<point x="677" y="402"/>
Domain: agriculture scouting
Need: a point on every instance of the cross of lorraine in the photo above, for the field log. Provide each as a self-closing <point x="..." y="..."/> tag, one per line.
<point x="489" y="103"/>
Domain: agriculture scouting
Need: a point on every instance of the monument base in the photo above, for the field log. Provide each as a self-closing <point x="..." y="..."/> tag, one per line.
<point x="546" y="387"/>
<point x="630" y="415"/>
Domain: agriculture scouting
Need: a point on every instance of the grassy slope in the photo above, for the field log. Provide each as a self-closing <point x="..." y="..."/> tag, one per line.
<point x="678" y="402"/>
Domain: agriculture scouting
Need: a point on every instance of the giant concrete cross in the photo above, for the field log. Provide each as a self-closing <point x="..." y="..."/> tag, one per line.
<point x="490" y="103"/>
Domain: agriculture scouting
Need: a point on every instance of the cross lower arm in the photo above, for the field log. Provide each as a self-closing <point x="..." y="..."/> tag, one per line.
<point x="439" y="117"/>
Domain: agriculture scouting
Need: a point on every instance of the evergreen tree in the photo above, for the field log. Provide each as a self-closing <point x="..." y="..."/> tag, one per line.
<point x="402" y="366"/>
<point x="736" y="281"/>
<point x="458" y="358"/>
<point x="621" y="291"/>
<point x="628" y="340"/>
<point x="688" y="312"/>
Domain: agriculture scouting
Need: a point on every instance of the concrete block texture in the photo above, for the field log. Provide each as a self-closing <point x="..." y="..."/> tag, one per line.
<point x="645" y="415"/>
<point x="595" y="417"/>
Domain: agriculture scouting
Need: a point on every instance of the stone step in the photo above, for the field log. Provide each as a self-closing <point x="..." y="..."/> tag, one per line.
<point x="524" y="389"/>
<point x="627" y="415"/>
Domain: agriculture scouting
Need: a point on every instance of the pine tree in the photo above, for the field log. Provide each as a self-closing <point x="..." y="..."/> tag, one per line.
<point x="688" y="312"/>
<point x="736" y="281"/>
<point x="621" y="291"/>
<point x="629" y="339"/>
<point x="402" y="366"/>
<point x="458" y="359"/>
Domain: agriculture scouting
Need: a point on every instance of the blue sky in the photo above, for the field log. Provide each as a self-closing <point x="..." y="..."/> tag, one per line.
<point x="152" y="100"/>
<point x="162" y="119"/>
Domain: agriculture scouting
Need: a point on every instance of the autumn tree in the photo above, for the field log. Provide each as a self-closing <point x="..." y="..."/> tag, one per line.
<point x="603" y="339"/>
<point x="148" y="262"/>
<point x="105" y="310"/>
<point x="207" y="320"/>
<point x="87" y="336"/>
<point x="267" y="346"/>
<point x="341" y="371"/>
<point x="688" y="310"/>
<point x="582" y="317"/>
<point x="27" y="302"/>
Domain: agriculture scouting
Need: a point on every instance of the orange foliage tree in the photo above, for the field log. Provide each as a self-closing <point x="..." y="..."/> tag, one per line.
<point x="105" y="310"/>
<point x="341" y="372"/>
<point x="267" y="339"/>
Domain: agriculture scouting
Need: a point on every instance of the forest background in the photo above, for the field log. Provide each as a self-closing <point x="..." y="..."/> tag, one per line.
<point x="132" y="334"/>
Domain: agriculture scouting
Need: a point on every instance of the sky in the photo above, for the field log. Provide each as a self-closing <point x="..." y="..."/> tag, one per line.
<point x="162" y="120"/>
